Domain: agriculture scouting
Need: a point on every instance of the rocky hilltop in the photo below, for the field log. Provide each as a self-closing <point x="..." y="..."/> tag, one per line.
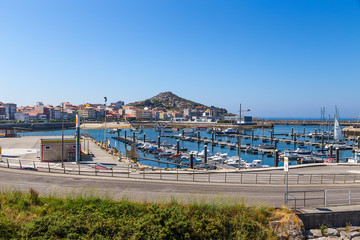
<point x="167" y="100"/>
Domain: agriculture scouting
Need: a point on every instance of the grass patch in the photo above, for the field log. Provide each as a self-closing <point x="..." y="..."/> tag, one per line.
<point x="31" y="216"/>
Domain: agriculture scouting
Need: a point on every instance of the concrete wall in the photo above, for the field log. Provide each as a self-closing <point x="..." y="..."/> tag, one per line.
<point x="330" y="219"/>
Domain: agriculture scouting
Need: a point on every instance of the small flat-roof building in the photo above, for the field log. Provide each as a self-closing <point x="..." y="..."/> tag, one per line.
<point x="51" y="149"/>
<point x="7" y="132"/>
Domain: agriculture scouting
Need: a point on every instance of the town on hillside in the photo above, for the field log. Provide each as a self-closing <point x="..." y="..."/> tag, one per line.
<point x="117" y="111"/>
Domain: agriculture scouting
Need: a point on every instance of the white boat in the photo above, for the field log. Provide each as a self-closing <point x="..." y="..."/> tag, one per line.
<point x="289" y="154"/>
<point x="257" y="163"/>
<point x="356" y="158"/>
<point x="229" y="131"/>
<point x="234" y="162"/>
<point x="202" y="153"/>
<point x="112" y="131"/>
<point x="303" y="151"/>
<point x="338" y="137"/>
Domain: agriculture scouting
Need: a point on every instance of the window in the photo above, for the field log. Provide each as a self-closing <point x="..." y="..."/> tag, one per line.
<point x="47" y="147"/>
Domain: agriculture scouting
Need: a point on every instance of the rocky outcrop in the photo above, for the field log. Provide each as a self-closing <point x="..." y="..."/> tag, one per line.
<point x="167" y="100"/>
<point x="287" y="225"/>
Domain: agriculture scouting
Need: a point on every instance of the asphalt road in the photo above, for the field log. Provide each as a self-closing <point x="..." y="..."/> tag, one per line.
<point x="147" y="190"/>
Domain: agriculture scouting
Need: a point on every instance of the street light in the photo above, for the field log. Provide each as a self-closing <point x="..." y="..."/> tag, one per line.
<point x="239" y="136"/>
<point x="62" y="134"/>
<point x="105" y="100"/>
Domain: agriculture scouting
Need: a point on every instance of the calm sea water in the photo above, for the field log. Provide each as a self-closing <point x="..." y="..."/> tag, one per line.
<point x="99" y="134"/>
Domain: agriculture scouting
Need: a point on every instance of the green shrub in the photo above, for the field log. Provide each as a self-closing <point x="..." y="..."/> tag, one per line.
<point x="31" y="216"/>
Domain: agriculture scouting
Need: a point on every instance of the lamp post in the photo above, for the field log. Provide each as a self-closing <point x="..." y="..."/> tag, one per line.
<point x="239" y="136"/>
<point x="105" y="100"/>
<point x="62" y="134"/>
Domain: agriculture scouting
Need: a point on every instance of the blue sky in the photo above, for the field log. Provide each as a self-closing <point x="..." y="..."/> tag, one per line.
<point x="279" y="58"/>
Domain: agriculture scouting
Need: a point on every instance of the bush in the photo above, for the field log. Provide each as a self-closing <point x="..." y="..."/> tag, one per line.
<point x="31" y="216"/>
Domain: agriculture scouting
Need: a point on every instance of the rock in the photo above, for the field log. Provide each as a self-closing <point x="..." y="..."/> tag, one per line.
<point x="349" y="235"/>
<point x="332" y="232"/>
<point x="313" y="233"/>
<point x="289" y="227"/>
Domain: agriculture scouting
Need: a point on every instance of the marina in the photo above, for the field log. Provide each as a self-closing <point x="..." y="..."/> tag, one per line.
<point x="259" y="146"/>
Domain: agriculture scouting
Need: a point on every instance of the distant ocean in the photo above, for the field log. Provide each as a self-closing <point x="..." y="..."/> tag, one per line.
<point x="304" y="119"/>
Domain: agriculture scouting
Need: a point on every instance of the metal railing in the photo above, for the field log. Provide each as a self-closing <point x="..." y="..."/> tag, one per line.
<point x="305" y="198"/>
<point x="342" y="196"/>
<point x="328" y="197"/>
<point x="152" y="173"/>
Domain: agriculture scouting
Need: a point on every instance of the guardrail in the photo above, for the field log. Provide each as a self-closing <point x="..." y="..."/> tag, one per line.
<point x="342" y="196"/>
<point x="233" y="177"/>
<point x="328" y="197"/>
<point x="305" y="198"/>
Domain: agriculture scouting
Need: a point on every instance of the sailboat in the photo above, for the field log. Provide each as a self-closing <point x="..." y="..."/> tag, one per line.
<point x="339" y="141"/>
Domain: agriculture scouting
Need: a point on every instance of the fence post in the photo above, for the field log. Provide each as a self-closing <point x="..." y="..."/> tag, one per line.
<point x="325" y="197"/>
<point x="49" y="166"/>
<point x="64" y="169"/>
<point x="34" y="165"/>
<point x="193" y="176"/>
<point x="209" y="177"/>
<point x="160" y="174"/>
<point x="95" y="171"/>
<point x="144" y="173"/>
<point x="241" y="178"/>
<point x="349" y="196"/>
<point x="112" y="171"/>
<point x="20" y="164"/>
<point x="225" y="177"/>
<point x="128" y="172"/>
<point x="7" y="160"/>
<point x="310" y="178"/>
<point x="270" y="179"/>
<point x="284" y="178"/>
<point x="177" y="174"/>
<point x="256" y="178"/>
<point x="79" y="168"/>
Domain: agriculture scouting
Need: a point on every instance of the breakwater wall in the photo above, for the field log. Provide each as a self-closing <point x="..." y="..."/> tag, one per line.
<point x="37" y="126"/>
<point x="305" y="122"/>
<point x="330" y="218"/>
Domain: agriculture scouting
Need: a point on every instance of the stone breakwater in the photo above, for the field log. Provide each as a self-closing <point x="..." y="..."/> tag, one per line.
<point x="37" y="126"/>
<point x="352" y="131"/>
<point x="343" y="233"/>
<point x="305" y="122"/>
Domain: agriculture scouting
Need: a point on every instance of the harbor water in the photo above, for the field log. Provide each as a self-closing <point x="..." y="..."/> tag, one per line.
<point x="280" y="132"/>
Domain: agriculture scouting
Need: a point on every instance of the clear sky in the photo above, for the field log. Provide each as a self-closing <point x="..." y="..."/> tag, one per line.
<point x="283" y="58"/>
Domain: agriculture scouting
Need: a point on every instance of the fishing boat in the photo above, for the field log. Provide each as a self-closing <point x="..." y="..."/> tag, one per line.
<point x="303" y="151"/>
<point x="289" y="154"/>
